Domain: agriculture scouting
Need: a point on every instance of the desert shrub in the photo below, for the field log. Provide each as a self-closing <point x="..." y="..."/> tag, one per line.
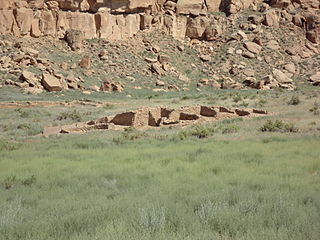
<point x="108" y="106"/>
<point x="237" y="98"/>
<point x="185" y="98"/>
<point x="294" y="100"/>
<point x="232" y="120"/>
<point x="129" y="134"/>
<point x="208" y="209"/>
<point x="6" y="145"/>
<point x="315" y="108"/>
<point x="198" y="131"/>
<point x="10" y="214"/>
<point x="9" y="182"/>
<point x="31" y="129"/>
<point x="29" y="180"/>
<point x="261" y="102"/>
<point x="278" y="126"/>
<point x="230" y="129"/>
<point x="152" y="218"/>
<point x="74" y="115"/>
<point x="28" y="113"/>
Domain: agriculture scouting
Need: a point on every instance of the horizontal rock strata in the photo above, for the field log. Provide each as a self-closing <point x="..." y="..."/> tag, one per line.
<point x="118" y="19"/>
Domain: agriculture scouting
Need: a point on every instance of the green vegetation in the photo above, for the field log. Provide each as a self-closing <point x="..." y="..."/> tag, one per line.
<point x="92" y="188"/>
<point x="294" y="100"/>
<point x="278" y="126"/>
<point x="74" y="115"/>
<point x="241" y="178"/>
<point x="315" y="108"/>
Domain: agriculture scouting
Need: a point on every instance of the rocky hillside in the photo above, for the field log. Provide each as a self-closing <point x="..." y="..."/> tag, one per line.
<point x="113" y="45"/>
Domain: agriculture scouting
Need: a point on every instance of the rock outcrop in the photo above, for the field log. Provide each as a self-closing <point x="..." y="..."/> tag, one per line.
<point x="119" y="19"/>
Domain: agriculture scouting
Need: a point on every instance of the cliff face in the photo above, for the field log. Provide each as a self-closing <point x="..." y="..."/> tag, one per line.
<point x="110" y="19"/>
<point x="120" y="19"/>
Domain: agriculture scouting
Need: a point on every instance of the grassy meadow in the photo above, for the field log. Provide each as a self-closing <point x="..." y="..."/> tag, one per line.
<point x="95" y="188"/>
<point x="235" y="179"/>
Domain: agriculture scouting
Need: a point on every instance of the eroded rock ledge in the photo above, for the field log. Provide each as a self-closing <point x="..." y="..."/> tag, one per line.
<point x="157" y="117"/>
<point x="120" y="19"/>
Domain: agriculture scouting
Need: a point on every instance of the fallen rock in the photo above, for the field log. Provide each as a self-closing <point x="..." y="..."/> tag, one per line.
<point x="290" y="67"/>
<point x="248" y="54"/>
<point x="181" y="48"/>
<point x="74" y="38"/>
<point x="205" y="58"/>
<point x="253" y="47"/>
<point x="30" y="78"/>
<point x="85" y="62"/>
<point x="151" y="60"/>
<point x="30" y="51"/>
<point x="281" y="77"/>
<point x="51" y="83"/>
<point x="271" y="19"/>
<point x="109" y="86"/>
<point x="32" y="90"/>
<point x="157" y="68"/>
<point x="156" y="48"/>
<point x="315" y="79"/>
<point x="163" y="58"/>
<point x="160" y="83"/>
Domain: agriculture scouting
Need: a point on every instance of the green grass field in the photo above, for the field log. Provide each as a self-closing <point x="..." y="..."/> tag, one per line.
<point x="226" y="180"/>
<point x="94" y="188"/>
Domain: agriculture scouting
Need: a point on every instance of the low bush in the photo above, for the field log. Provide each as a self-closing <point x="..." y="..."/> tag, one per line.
<point x="278" y="126"/>
<point x="198" y="131"/>
<point x="230" y="129"/>
<point x="129" y="134"/>
<point x="315" y="108"/>
<point x="294" y="100"/>
<point x="11" y="181"/>
<point x="108" y="106"/>
<point x="152" y="218"/>
<point x="73" y="115"/>
<point x="31" y="129"/>
<point x="6" y="145"/>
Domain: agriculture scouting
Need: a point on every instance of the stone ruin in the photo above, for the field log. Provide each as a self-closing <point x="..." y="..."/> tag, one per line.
<point x="146" y="117"/>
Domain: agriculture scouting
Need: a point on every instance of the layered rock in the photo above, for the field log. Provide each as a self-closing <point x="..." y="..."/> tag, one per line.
<point x="121" y="19"/>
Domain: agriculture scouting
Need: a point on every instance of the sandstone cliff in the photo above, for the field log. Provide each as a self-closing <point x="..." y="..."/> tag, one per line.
<point x="120" y="19"/>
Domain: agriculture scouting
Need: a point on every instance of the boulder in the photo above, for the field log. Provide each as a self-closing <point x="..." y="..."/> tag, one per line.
<point x="271" y="19"/>
<point x="85" y="62"/>
<point x="315" y="77"/>
<point x="109" y="86"/>
<point x="51" y="83"/>
<point x="74" y="38"/>
<point x="196" y="27"/>
<point x="253" y="47"/>
<point x="205" y="58"/>
<point x="30" y="78"/>
<point x="281" y="77"/>
<point x="157" y="68"/>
